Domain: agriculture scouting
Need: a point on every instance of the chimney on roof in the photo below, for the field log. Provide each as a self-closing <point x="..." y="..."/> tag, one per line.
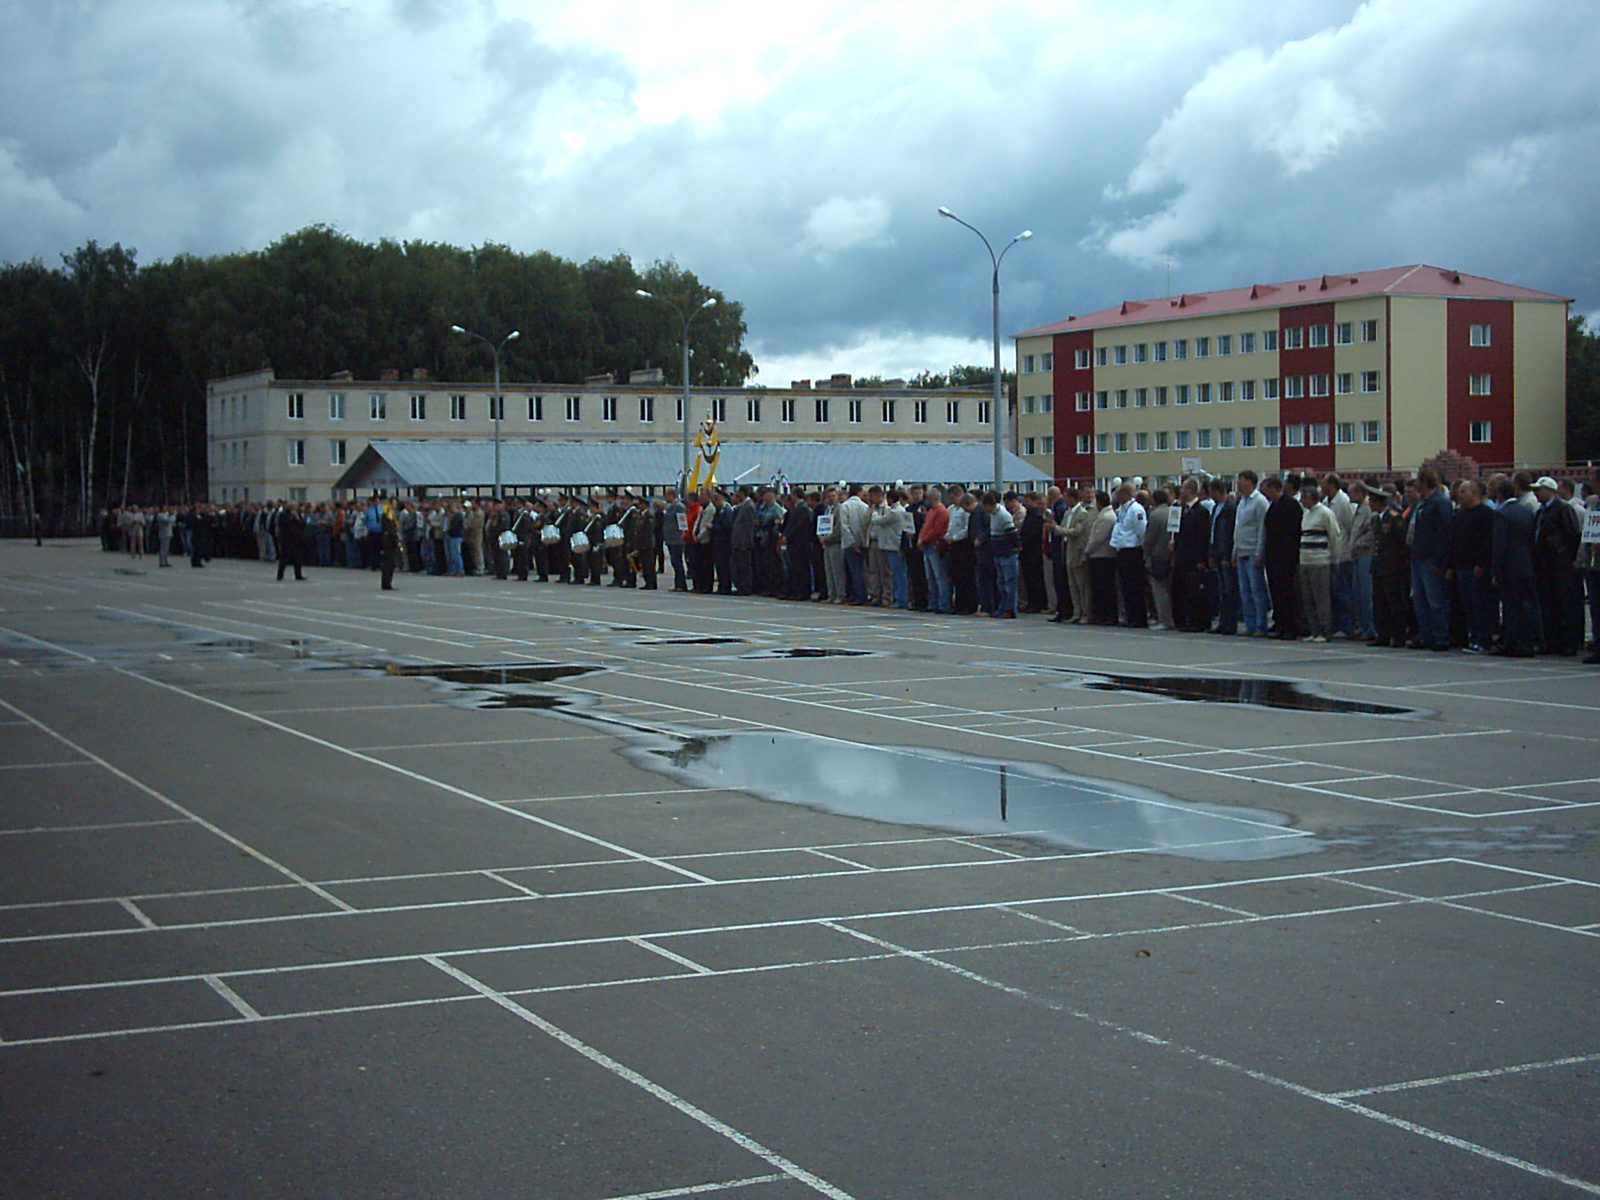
<point x="608" y="377"/>
<point x="341" y="377"/>
<point x="389" y="375"/>
<point x="648" y="375"/>
<point x="419" y="374"/>
<point x="800" y="385"/>
<point x="839" y="379"/>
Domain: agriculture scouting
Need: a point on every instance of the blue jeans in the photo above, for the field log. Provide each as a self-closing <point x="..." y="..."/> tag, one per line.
<point x="898" y="578"/>
<point x="1361" y="596"/>
<point x="1430" y="596"/>
<point x="1343" y="584"/>
<point x="855" y="573"/>
<point x="1255" y="605"/>
<point x="938" y="581"/>
<point x="1005" y="583"/>
<point x="452" y="556"/>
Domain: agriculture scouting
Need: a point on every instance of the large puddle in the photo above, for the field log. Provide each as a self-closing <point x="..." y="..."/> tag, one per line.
<point x="962" y="794"/>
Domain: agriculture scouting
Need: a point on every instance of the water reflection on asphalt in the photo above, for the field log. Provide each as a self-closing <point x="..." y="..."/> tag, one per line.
<point x="964" y="794"/>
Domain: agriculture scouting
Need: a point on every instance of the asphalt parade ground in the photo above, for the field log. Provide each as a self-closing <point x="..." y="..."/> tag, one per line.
<point x="483" y="889"/>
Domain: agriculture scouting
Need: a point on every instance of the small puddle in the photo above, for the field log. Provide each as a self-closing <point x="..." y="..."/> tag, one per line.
<point x="963" y="794"/>
<point x="810" y="652"/>
<point x="691" y="641"/>
<point x="492" y="674"/>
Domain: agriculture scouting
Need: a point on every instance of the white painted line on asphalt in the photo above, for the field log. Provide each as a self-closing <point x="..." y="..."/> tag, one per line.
<point x="1238" y="912"/>
<point x="645" y="944"/>
<point x="138" y="914"/>
<point x="702" y="1189"/>
<point x="1574" y="1060"/>
<point x="629" y="1075"/>
<point x="839" y="858"/>
<point x="415" y="775"/>
<point x="670" y="791"/>
<point x="501" y="879"/>
<point x="1331" y="1099"/>
<point x="178" y="808"/>
<point x="789" y="923"/>
<point x="240" y="1004"/>
<point x="108" y="825"/>
<point x="528" y="741"/>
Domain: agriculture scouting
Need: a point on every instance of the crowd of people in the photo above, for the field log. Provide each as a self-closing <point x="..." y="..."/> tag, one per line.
<point x="1495" y="566"/>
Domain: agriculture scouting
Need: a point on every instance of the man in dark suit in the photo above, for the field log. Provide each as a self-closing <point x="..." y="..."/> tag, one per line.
<point x="1514" y="524"/>
<point x="1030" y="557"/>
<point x="291" y="540"/>
<point x="1280" y="538"/>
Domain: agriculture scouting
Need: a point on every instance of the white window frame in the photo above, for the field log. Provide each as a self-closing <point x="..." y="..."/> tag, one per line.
<point x="1269" y="340"/>
<point x="1247" y="437"/>
<point x="1163" y="439"/>
<point x="1344" y="433"/>
<point x="574" y="408"/>
<point x="377" y="406"/>
<point x="853" y="411"/>
<point x="419" y="406"/>
<point x="820" y="409"/>
<point x="786" y="411"/>
<point x="1480" y="334"/>
<point x="647" y="410"/>
<point x="752" y="410"/>
<point x="1344" y="383"/>
<point x="952" y="412"/>
<point x="296" y="403"/>
<point x="536" y="407"/>
<point x="1084" y="401"/>
<point x="338" y="452"/>
<point x="297" y="452"/>
<point x="458" y="407"/>
<point x="1479" y="383"/>
<point x="1083" y="444"/>
<point x="1270" y="437"/>
<point x="1371" y="432"/>
<point x="1371" y="381"/>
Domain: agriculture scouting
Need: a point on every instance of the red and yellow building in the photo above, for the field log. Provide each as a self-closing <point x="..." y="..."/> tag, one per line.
<point x="1353" y="373"/>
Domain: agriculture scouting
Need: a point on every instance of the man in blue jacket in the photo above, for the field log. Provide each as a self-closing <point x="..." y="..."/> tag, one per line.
<point x="1430" y="560"/>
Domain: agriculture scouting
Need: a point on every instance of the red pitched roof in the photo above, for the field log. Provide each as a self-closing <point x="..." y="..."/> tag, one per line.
<point x="1416" y="280"/>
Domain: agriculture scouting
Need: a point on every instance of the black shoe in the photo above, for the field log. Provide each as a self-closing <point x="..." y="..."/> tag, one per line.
<point x="1593" y="660"/>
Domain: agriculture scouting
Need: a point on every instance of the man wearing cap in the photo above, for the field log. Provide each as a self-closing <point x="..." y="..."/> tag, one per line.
<point x="1557" y="535"/>
<point x="1513" y="575"/>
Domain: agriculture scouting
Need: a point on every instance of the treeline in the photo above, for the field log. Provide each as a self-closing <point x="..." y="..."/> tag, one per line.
<point x="104" y="362"/>
<point x="1583" y="391"/>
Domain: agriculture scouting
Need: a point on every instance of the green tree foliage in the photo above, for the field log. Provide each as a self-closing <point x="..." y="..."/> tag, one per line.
<point x="104" y="362"/>
<point x="962" y="376"/>
<point x="1583" y="390"/>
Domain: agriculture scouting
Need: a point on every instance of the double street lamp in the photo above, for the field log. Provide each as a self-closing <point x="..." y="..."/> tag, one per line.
<point x="687" y="317"/>
<point x="997" y="413"/>
<point x="498" y="403"/>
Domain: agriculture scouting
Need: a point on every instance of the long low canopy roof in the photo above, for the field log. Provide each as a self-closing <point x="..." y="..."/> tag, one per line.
<point x="448" y="465"/>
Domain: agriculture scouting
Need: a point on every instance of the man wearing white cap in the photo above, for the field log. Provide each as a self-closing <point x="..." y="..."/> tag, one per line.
<point x="1556" y="538"/>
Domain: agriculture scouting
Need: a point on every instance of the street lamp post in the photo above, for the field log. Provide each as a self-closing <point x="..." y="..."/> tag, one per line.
<point x="498" y="402"/>
<point x="687" y="318"/>
<point x="997" y="414"/>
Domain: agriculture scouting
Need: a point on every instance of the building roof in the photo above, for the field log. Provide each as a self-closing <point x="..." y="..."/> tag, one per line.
<point x="446" y="465"/>
<point x="1415" y="280"/>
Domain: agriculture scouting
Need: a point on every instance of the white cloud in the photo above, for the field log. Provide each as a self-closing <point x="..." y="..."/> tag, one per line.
<point x="839" y="223"/>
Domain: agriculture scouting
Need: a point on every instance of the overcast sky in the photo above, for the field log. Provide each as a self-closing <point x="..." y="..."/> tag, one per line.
<point x="794" y="155"/>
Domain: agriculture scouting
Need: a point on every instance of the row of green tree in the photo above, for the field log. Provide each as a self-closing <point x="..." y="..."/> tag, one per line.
<point x="104" y="361"/>
<point x="1583" y="390"/>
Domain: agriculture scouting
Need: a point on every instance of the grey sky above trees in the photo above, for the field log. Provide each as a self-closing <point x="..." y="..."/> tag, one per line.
<point x="793" y="156"/>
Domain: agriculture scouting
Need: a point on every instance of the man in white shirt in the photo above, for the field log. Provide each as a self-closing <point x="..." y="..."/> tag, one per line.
<point x="1127" y="539"/>
<point x="854" y="515"/>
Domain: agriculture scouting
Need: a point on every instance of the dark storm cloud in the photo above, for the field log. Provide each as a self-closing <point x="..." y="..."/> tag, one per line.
<point x="798" y="169"/>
